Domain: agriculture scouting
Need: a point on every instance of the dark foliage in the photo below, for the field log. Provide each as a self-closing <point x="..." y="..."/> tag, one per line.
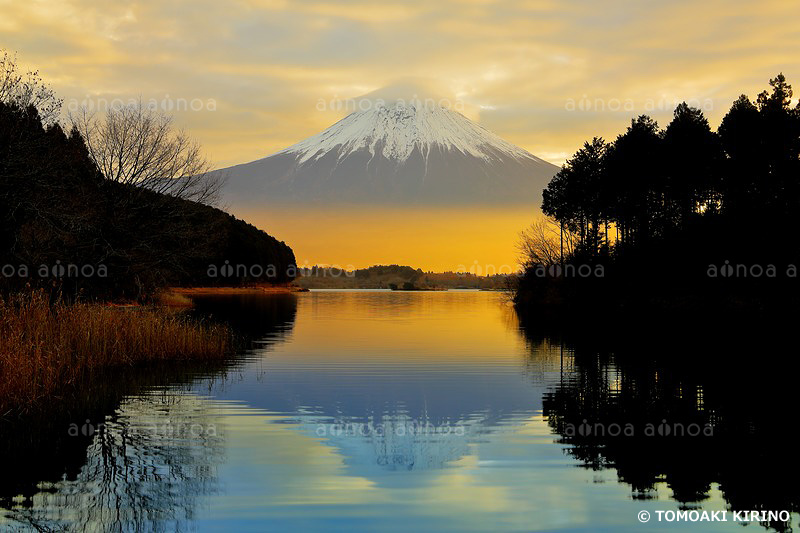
<point x="682" y="215"/>
<point x="65" y="227"/>
<point x="652" y="379"/>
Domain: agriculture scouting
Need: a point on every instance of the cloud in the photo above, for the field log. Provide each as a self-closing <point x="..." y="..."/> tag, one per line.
<point x="266" y="63"/>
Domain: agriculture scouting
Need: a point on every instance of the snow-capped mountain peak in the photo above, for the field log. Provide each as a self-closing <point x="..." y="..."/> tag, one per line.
<point x="389" y="149"/>
<point x="394" y="129"/>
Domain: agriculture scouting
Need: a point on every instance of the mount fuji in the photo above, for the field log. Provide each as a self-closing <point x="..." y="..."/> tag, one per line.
<point x="394" y="151"/>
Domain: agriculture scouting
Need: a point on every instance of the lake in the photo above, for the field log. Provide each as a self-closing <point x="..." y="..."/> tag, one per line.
<point x="410" y="411"/>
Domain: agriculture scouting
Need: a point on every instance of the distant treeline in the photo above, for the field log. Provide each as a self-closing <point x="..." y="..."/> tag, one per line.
<point x="667" y="212"/>
<point x="71" y="229"/>
<point x="388" y="276"/>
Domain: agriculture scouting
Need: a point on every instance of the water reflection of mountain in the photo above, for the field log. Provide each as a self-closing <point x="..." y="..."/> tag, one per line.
<point x="390" y="381"/>
<point x="396" y="443"/>
<point x="394" y="419"/>
<point x="136" y="451"/>
<point x="736" y="383"/>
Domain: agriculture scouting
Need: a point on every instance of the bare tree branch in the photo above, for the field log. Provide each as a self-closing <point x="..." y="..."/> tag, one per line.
<point x="27" y="90"/>
<point x="541" y="242"/>
<point x="138" y="146"/>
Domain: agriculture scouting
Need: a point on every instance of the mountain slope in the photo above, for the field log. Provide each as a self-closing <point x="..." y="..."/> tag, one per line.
<point x="400" y="152"/>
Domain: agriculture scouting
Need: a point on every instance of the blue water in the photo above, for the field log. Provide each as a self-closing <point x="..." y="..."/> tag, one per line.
<point x="361" y="411"/>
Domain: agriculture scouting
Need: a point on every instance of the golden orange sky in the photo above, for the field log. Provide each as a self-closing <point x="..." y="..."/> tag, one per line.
<point x="249" y="77"/>
<point x="480" y="240"/>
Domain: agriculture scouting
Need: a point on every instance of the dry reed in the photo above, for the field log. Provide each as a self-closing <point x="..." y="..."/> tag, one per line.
<point x="46" y="348"/>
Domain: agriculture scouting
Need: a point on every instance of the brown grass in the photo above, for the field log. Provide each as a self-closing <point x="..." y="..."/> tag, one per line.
<point x="173" y="299"/>
<point x="45" y="349"/>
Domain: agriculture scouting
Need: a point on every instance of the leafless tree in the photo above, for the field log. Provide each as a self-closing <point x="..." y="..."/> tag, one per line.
<point x="27" y="89"/>
<point x="137" y="145"/>
<point x="545" y="242"/>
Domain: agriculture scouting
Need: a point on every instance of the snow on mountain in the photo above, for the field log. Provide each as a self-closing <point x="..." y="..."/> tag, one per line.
<point x="406" y="151"/>
<point x="394" y="131"/>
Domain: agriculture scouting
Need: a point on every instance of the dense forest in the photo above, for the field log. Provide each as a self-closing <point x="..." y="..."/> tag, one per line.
<point x="681" y="214"/>
<point x="73" y="228"/>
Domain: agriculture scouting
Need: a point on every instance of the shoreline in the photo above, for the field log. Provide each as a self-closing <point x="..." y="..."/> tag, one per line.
<point x="49" y="351"/>
<point x="257" y="289"/>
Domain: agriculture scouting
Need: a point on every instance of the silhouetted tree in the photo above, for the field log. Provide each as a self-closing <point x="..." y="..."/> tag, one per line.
<point x="545" y="242"/>
<point x="573" y="196"/>
<point x="138" y="146"/>
<point x="741" y="136"/>
<point x="27" y="89"/>
<point x="692" y="155"/>
<point x="633" y="192"/>
<point x="780" y="147"/>
<point x="688" y="192"/>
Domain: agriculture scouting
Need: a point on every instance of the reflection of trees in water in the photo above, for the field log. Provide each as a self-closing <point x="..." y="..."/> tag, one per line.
<point x="135" y="475"/>
<point x="252" y="316"/>
<point x="146" y="469"/>
<point x="672" y="382"/>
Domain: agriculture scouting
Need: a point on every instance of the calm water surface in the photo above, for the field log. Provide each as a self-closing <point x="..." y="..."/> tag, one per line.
<point x="386" y="411"/>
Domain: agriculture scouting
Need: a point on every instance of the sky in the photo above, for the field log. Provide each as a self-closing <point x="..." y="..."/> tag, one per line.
<point x="249" y="77"/>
